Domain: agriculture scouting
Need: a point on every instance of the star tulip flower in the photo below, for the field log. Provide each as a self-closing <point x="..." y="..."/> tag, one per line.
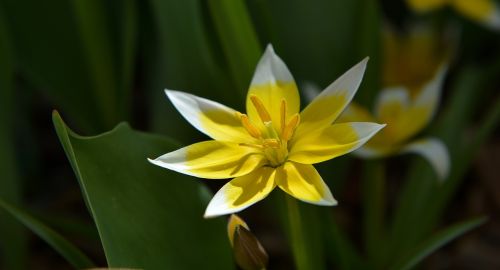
<point x="485" y="12"/>
<point x="413" y="74"/>
<point x="273" y="144"/>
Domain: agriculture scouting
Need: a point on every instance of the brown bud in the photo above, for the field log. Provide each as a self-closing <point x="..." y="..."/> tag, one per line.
<point x="248" y="252"/>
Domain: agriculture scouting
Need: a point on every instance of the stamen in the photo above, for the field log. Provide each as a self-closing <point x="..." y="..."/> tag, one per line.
<point x="261" y="110"/>
<point x="283" y="115"/>
<point x="258" y="146"/>
<point x="273" y="143"/>
<point x="290" y="127"/>
<point x="251" y="129"/>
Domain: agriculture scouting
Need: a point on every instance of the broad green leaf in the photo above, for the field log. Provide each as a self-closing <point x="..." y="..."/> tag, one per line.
<point x="238" y="39"/>
<point x="435" y="242"/>
<point x="13" y="245"/>
<point x="72" y="254"/>
<point x="147" y="217"/>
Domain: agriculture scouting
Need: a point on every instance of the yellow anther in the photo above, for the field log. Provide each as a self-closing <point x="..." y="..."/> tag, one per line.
<point x="290" y="127"/>
<point x="272" y="143"/>
<point x="283" y="115"/>
<point x="251" y="129"/>
<point x="261" y="110"/>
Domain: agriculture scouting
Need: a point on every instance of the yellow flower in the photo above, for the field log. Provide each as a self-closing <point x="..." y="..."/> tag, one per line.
<point x="273" y="144"/>
<point x="413" y="74"/>
<point x="482" y="11"/>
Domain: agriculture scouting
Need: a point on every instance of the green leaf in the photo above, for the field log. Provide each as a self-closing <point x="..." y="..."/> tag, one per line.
<point x="147" y="217"/>
<point x="72" y="254"/>
<point x="13" y="245"/>
<point x="435" y="242"/>
<point x="238" y="38"/>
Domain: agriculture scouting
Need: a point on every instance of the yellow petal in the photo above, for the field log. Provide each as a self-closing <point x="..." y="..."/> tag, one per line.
<point x="404" y="117"/>
<point x="212" y="118"/>
<point x="328" y="105"/>
<point x="272" y="83"/>
<point x="391" y="104"/>
<point x="435" y="152"/>
<point x="426" y="5"/>
<point x="212" y="159"/>
<point x="242" y="192"/>
<point x="355" y="113"/>
<point x="479" y="10"/>
<point x="334" y="141"/>
<point x="303" y="182"/>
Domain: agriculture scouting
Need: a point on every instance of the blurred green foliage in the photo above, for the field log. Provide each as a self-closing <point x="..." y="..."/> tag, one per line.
<point x="103" y="62"/>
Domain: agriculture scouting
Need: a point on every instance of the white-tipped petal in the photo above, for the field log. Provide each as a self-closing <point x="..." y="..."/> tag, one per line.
<point x="271" y="69"/>
<point x="435" y="152"/>
<point x="242" y="192"/>
<point x="272" y="83"/>
<point x="391" y="102"/>
<point x="334" y="141"/>
<point x="211" y="159"/>
<point x="330" y="103"/>
<point x="213" y="119"/>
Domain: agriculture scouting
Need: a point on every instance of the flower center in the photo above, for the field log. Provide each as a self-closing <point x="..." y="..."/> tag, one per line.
<point x="272" y="142"/>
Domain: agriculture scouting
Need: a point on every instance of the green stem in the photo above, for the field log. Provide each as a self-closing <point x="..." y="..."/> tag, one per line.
<point x="297" y="238"/>
<point x="374" y="210"/>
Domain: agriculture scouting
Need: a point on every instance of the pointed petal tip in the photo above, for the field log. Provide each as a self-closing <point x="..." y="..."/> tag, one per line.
<point x="270" y="48"/>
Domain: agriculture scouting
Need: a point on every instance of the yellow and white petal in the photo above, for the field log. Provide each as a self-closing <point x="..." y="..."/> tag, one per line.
<point x="272" y="83"/>
<point x="212" y="159"/>
<point x="426" y="5"/>
<point x="242" y="192"/>
<point x="391" y="104"/>
<point x="483" y="11"/>
<point x="355" y="113"/>
<point x="369" y="152"/>
<point x="435" y="152"/>
<point x="303" y="182"/>
<point x="328" y="105"/>
<point x="430" y="94"/>
<point x="334" y="141"/>
<point x="213" y="119"/>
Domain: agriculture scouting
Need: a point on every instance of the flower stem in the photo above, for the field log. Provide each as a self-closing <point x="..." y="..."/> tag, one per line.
<point x="296" y="236"/>
<point x="374" y="210"/>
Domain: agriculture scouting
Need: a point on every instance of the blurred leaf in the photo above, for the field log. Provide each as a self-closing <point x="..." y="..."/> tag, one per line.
<point x="317" y="38"/>
<point x="435" y="242"/>
<point x="13" y="244"/>
<point x="368" y="43"/>
<point x="66" y="51"/>
<point x="374" y="194"/>
<point x="340" y="249"/>
<point x="178" y="55"/>
<point x="147" y="217"/>
<point x="97" y="51"/>
<point x="72" y="254"/>
<point x="414" y="204"/>
<point x="238" y="39"/>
